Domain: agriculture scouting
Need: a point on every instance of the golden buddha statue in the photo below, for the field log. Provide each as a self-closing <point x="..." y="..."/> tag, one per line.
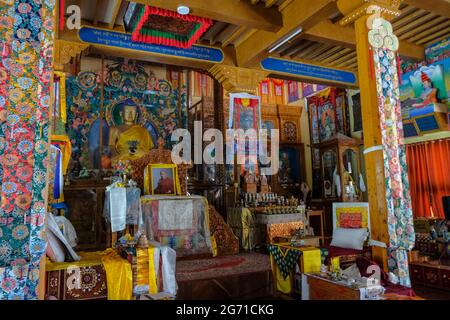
<point x="129" y="141"/>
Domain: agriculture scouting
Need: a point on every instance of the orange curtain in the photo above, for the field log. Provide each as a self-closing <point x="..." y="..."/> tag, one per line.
<point x="429" y="177"/>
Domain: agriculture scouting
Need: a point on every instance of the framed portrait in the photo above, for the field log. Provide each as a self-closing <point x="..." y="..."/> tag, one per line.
<point x="351" y="215"/>
<point x="162" y="180"/>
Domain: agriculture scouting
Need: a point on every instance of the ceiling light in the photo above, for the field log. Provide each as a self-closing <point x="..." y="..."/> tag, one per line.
<point x="285" y="39"/>
<point x="183" y="10"/>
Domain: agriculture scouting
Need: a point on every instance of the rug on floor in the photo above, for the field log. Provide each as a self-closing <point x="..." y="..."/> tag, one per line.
<point x="225" y="266"/>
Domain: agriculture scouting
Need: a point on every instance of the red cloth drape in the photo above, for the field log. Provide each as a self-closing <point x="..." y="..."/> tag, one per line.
<point x="429" y="177"/>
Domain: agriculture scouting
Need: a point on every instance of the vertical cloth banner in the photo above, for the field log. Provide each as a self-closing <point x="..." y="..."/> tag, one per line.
<point x="400" y="218"/>
<point x="27" y="34"/>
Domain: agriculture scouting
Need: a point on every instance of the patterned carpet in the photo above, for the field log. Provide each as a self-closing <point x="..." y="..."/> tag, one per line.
<point x="225" y="266"/>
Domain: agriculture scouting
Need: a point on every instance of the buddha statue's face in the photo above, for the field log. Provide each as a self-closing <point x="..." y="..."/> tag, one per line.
<point x="129" y="115"/>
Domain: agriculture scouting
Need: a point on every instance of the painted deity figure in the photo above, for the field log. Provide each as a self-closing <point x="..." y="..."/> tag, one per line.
<point x="429" y="93"/>
<point x="129" y="141"/>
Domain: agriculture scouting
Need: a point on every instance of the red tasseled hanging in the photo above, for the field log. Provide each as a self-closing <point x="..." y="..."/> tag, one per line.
<point x="61" y="14"/>
<point x="371" y="64"/>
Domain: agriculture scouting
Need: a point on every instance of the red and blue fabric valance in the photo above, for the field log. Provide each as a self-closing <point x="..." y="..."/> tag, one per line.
<point x="164" y="27"/>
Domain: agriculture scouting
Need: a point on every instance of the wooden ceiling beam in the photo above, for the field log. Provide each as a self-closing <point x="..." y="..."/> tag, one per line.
<point x="270" y="3"/>
<point x="100" y="8"/>
<point x="328" y="32"/>
<point x="115" y="13"/>
<point x="297" y="14"/>
<point x="440" y="7"/>
<point x="241" y="13"/>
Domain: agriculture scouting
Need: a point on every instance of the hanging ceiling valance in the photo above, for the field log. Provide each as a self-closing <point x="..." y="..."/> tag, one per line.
<point x="164" y="27"/>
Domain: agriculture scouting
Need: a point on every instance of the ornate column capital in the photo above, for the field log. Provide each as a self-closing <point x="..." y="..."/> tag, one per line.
<point x="235" y="79"/>
<point x="65" y="50"/>
<point x="355" y="9"/>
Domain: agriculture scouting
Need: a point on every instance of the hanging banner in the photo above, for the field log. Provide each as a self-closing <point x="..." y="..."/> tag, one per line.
<point x="310" y="71"/>
<point x="114" y="39"/>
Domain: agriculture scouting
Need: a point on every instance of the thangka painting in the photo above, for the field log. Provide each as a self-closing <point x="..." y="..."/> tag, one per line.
<point x="138" y="109"/>
<point x="245" y="113"/>
<point x="327" y="118"/>
<point x="328" y="115"/>
<point x="311" y="89"/>
<point x="293" y="94"/>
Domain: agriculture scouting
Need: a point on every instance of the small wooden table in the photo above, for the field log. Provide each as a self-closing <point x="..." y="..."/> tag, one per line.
<point x="323" y="289"/>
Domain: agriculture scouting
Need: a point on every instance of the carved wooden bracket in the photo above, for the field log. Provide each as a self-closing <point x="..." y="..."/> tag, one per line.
<point x="235" y="79"/>
<point x="355" y="9"/>
<point x="66" y="50"/>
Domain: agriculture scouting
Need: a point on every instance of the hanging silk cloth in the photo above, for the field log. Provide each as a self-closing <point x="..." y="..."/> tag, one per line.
<point x="278" y="91"/>
<point x="400" y="218"/>
<point x="58" y="179"/>
<point x="64" y="144"/>
<point x="119" y="276"/>
<point x="285" y="258"/>
<point x="61" y="97"/>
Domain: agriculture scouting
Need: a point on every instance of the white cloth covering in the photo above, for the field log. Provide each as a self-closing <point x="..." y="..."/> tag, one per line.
<point x="52" y="226"/>
<point x="116" y="205"/>
<point x="67" y="230"/>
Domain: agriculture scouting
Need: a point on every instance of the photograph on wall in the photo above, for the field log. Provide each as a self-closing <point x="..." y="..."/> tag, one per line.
<point x="163" y="180"/>
<point x="357" y="115"/>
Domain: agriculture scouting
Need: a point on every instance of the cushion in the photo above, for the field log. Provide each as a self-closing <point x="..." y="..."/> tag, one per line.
<point x="349" y="238"/>
<point x="55" y="249"/>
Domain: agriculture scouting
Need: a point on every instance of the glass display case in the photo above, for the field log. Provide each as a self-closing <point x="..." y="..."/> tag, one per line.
<point x="340" y="170"/>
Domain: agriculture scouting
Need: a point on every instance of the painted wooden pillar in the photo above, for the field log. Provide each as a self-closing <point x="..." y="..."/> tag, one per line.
<point x="372" y="138"/>
<point x="358" y="12"/>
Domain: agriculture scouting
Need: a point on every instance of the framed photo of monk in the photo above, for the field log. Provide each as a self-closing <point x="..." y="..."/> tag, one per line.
<point x="163" y="180"/>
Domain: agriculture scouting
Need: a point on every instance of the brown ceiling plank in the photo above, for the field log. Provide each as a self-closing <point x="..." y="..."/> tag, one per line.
<point x="440" y="7"/>
<point x="241" y="13"/>
<point x="304" y="53"/>
<point x="327" y="32"/>
<point x="349" y="62"/>
<point x="298" y="14"/>
<point x="226" y="33"/>
<point x="440" y="33"/>
<point x="403" y="13"/>
<point x="345" y="58"/>
<point x="322" y="50"/>
<point x="438" y="39"/>
<point x="329" y="53"/>
<point x="299" y="46"/>
<point x="416" y="23"/>
<point x="213" y="31"/>
<point x="337" y="55"/>
<point x="419" y="34"/>
<point x="408" y="18"/>
<point x="239" y="31"/>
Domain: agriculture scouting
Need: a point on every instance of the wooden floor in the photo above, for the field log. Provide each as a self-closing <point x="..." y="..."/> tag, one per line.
<point x="251" y="286"/>
<point x="431" y="294"/>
